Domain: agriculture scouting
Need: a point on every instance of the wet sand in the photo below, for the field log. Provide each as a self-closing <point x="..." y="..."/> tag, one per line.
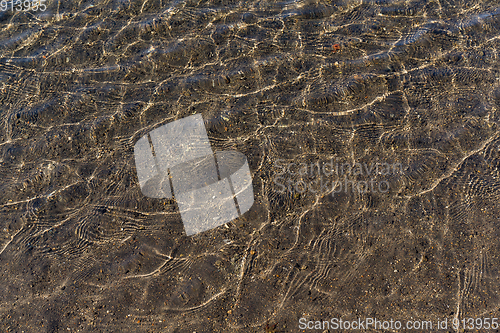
<point x="287" y="84"/>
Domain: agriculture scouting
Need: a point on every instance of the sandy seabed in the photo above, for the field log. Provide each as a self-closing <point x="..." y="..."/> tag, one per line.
<point x="410" y="83"/>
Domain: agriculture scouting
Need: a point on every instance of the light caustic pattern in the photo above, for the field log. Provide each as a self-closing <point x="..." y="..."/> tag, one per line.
<point x="411" y="83"/>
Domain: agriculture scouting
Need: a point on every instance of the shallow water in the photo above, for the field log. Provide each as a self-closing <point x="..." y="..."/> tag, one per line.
<point x="404" y="95"/>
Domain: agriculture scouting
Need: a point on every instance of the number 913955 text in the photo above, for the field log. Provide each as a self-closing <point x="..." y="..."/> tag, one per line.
<point x="23" y="5"/>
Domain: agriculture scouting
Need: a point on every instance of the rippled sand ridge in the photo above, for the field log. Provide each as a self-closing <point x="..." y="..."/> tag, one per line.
<point x="402" y="95"/>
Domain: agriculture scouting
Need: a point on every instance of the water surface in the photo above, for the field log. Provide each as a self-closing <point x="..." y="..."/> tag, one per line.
<point x="407" y="83"/>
